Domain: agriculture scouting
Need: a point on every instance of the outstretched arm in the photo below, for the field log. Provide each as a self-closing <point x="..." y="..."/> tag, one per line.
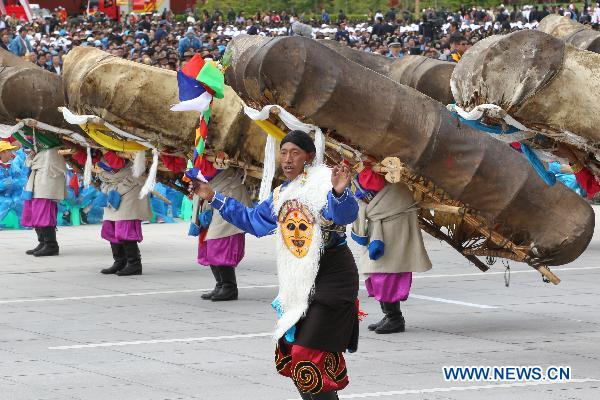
<point x="258" y="221"/>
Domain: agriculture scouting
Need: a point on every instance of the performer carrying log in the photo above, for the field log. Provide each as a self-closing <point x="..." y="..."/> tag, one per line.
<point x="318" y="280"/>
<point x="12" y="181"/>
<point x="123" y="215"/>
<point x="388" y="228"/>
<point x="124" y="211"/>
<point x="46" y="186"/>
<point x="221" y="245"/>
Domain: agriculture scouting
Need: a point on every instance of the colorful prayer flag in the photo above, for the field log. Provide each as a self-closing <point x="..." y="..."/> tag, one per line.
<point x="199" y="81"/>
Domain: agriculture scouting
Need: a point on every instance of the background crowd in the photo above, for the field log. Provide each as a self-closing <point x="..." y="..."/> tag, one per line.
<point x="165" y="40"/>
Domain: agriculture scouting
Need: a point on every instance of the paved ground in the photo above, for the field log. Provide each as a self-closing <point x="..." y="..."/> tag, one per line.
<point x="68" y="332"/>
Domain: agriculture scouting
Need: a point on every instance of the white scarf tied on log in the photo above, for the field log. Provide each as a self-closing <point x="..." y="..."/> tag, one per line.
<point x="292" y="123"/>
<point x="139" y="161"/>
<point x="139" y="164"/>
<point x="87" y="170"/>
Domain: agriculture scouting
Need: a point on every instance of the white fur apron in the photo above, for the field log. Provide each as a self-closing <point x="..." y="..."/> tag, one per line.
<point x="297" y="275"/>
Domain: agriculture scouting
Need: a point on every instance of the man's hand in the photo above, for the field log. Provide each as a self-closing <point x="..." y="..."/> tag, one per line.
<point x="201" y="189"/>
<point x="340" y="178"/>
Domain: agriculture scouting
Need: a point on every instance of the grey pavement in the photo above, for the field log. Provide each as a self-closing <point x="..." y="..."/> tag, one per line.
<point x="68" y="332"/>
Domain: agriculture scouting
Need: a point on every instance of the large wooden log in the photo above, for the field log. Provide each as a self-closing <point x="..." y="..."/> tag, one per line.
<point x="28" y="91"/>
<point x="137" y="98"/>
<point x="572" y="32"/>
<point x="538" y="79"/>
<point x="384" y="118"/>
<point x="233" y="132"/>
<point x="134" y="97"/>
<point x="427" y="75"/>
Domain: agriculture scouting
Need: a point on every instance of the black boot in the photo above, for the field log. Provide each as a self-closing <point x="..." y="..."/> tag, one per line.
<point x="229" y="290"/>
<point x="134" y="259"/>
<point x="83" y="217"/>
<point x="50" y="247"/>
<point x="40" y="237"/>
<point x="326" y="396"/>
<point x="118" y="253"/>
<point x="305" y="395"/>
<point x="218" y="286"/>
<point x="394" y="320"/>
<point x="376" y="325"/>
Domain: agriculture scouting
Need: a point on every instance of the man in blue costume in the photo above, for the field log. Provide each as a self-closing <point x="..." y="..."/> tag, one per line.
<point x="12" y="180"/>
<point x="318" y="279"/>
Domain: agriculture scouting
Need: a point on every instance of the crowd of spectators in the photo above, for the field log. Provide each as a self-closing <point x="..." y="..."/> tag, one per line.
<point x="166" y="41"/>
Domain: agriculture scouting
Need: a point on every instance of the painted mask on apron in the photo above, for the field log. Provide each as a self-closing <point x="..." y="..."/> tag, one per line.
<point x="296" y="226"/>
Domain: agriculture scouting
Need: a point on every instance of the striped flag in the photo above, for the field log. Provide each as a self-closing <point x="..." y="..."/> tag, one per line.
<point x="27" y="9"/>
<point x="150" y="6"/>
<point x="2" y="8"/>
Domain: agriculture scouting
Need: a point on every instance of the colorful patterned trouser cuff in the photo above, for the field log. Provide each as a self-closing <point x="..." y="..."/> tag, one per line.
<point x="313" y="371"/>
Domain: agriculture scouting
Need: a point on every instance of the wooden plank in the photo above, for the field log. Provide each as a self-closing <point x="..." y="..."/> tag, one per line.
<point x="436" y="233"/>
<point x="442" y="208"/>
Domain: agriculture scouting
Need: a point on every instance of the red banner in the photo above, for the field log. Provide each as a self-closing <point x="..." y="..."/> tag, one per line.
<point x="138" y="5"/>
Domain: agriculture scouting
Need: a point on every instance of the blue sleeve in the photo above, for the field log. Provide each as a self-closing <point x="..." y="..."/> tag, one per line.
<point x="13" y="46"/>
<point x="258" y="221"/>
<point x="181" y="48"/>
<point x="341" y="210"/>
<point x="554" y="167"/>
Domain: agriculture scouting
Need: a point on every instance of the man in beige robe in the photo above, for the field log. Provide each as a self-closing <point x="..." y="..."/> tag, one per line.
<point x="388" y="229"/>
<point x="123" y="214"/>
<point x="46" y="186"/>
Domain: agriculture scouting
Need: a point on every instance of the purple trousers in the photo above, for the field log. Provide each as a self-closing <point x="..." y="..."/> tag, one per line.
<point x="389" y="288"/>
<point x="121" y="231"/>
<point x="39" y="213"/>
<point x="227" y="251"/>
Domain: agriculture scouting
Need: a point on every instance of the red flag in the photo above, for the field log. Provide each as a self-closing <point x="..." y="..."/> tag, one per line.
<point x="139" y="5"/>
<point x="193" y="67"/>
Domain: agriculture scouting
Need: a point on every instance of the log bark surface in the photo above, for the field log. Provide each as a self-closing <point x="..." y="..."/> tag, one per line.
<point x="537" y="78"/>
<point x="135" y="97"/>
<point x="428" y="76"/>
<point x="28" y="91"/>
<point x="384" y="118"/>
<point x="231" y="131"/>
<point x="572" y="32"/>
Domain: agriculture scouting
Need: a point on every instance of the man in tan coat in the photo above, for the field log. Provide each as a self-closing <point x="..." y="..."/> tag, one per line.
<point x="221" y="245"/>
<point x="46" y="186"/>
<point x="123" y="214"/>
<point x="387" y="227"/>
